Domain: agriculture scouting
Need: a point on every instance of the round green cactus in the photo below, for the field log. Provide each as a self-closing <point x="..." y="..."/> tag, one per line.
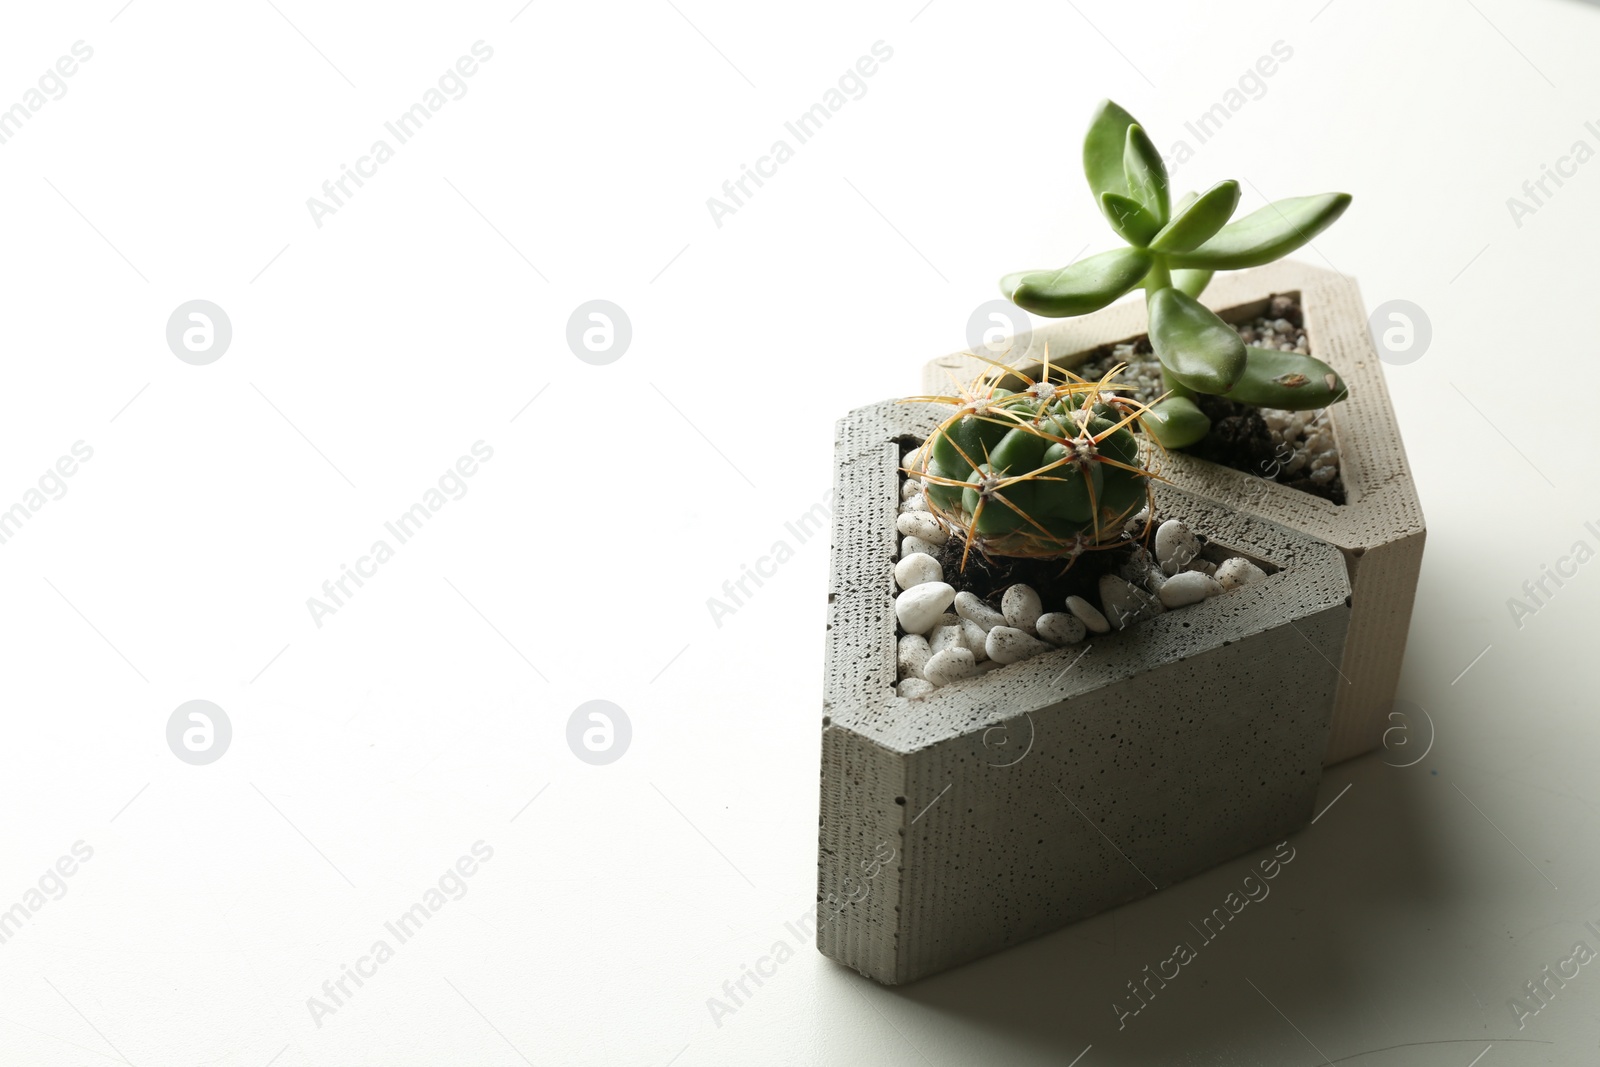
<point x="1052" y="470"/>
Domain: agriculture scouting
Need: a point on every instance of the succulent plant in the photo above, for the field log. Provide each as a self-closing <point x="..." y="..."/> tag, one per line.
<point x="1051" y="470"/>
<point x="1173" y="250"/>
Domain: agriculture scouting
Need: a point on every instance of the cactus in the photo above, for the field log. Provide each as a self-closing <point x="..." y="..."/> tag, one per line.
<point x="1173" y="250"/>
<point x="1051" y="470"/>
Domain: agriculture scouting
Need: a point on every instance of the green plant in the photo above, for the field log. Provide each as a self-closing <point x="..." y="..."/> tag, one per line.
<point x="1050" y="470"/>
<point x="1173" y="250"/>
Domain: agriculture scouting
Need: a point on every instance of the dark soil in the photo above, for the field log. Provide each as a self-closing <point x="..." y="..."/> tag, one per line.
<point x="1052" y="579"/>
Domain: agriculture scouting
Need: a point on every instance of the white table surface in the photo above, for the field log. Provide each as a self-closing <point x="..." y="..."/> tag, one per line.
<point x="429" y="313"/>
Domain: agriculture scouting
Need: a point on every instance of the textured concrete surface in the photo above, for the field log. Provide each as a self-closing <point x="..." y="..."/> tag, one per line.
<point x="1006" y="806"/>
<point x="1379" y="529"/>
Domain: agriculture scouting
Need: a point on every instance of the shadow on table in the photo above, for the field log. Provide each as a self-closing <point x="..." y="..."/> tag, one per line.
<point x="1311" y="951"/>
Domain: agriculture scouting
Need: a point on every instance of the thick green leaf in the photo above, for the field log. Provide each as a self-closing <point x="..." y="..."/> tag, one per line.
<point x="1197" y="223"/>
<point x="1176" y="422"/>
<point x="1287" y="380"/>
<point x="1193" y="282"/>
<point x="1194" y="346"/>
<point x="1133" y="222"/>
<point x="1267" y="234"/>
<point x="1085" y="286"/>
<point x="1145" y="172"/>
<point x="1103" y="146"/>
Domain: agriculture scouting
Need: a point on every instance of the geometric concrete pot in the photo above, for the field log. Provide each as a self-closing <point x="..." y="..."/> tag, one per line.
<point x="1007" y="805"/>
<point x="1379" y="528"/>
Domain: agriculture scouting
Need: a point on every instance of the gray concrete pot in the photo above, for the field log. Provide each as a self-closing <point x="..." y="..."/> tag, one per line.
<point x="1011" y="804"/>
<point x="1379" y="528"/>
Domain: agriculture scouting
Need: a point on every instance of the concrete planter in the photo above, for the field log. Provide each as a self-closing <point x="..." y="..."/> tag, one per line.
<point x="1379" y="529"/>
<point x="1011" y="804"/>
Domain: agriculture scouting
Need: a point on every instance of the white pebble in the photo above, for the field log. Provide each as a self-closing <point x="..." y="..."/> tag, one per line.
<point x="943" y="637"/>
<point x="913" y="655"/>
<point x="969" y="606"/>
<point x="973" y="636"/>
<point x="914" y="688"/>
<point x="1061" y="628"/>
<point x="1238" y="571"/>
<point x="1124" y="603"/>
<point x="1204" y="566"/>
<point x="951" y="665"/>
<point x="1021" y="607"/>
<point x="949" y="618"/>
<point x="1188" y="587"/>
<point x="919" y="607"/>
<point x="1088" y="614"/>
<point x="917" y="568"/>
<point x="910" y="546"/>
<point x="1175" y="545"/>
<point x="916" y="503"/>
<point x="1007" y="644"/>
<point x="1142" y="569"/>
<point x="909" y="489"/>
<point x="921" y="524"/>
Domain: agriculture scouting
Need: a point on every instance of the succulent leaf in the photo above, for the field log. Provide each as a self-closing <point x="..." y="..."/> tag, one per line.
<point x="1103" y="146"/>
<point x="1085" y="286"/>
<point x="1146" y="174"/>
<point x="1133" y="222"/>
<point x="1176" y="422"/>
<point x="1286" y="380"/>
<point x="1199" y="221"/>
<point x="1194" y="346"/>
<point x="1266" y="234"/>
<point x="1192" y="282"/>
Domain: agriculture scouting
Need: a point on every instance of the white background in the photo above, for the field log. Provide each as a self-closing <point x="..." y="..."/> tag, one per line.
<point x="371" y="752"/>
